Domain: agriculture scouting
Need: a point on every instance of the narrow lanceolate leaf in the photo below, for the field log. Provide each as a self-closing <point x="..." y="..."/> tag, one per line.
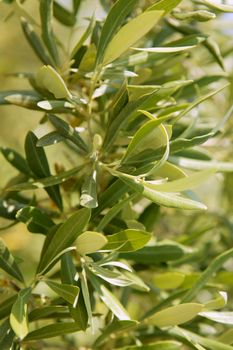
<point x="131" y="33"/>
<point x="64" y="16"/>
<point x="176" y="315"/>
<point x="24" y="100"/>
<point x="164" y="49"/>
<point x="213" y="267"/>
<point x="88" y="197"/>
<point x="166" y="199"/>
<point x="68" y="131"/>
<point x="64" y="237"/>
<point x="164" y="5"/>
<point x="50" y="139"/>
<point x="109" y="299"/>
<point x="65" y="291"/>
<point x="6" y="306"/>
<point x="19" y="317"/>
<point x="35" y="42"/>
<point x="113" y="212"/>
<point x="127" y="241"/>
<point x="84" y="37"/>
<point x="154" y="255"/>
<point x="56" y="106"/>
<point x="46" y="181"/>
<point x="90" y="242"/>
<point x="150" y="135"/>
<point x="168" y="280"/>
<point x="16" y="160"/>
<point x="186" y="183"/>
<point x="49" y="79"/>
<point x="86" y="297"/>
<point x="119" y="11"/>
<point x="115" y="327"/>
<point x="6" y="335"/>
<point x="196" y="164"/>
<point x="46" y="16"/>
<point x="38" y="164"/>
<point x="35" y="219"/>
<point x="53" y="330"/>
<point x="68" y="269"/>
<point x="8" y="264"/>
<point x="225" y="317"/>
<point x="218" y="6"/>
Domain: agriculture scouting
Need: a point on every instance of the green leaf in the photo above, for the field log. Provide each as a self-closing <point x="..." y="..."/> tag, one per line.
<point x="164" y="5"/>
<point x="18" y="316"/>
<point x="62" y="15"/>
<point x="68" y="132"/>
<point x="168" y="280"/>
<point x="148" y="57"/>
<point x="163" y="198"/>
<point x="213" y="267"/>
<point x="113" y="212"/>
<point x="196" y="164"/>
<point x="90" y="242"/>
<point x="84" y="37"/>
<point x="6" y="335"/>
<point x="46" y="181"/>
<point x="46" y="15"/>
<point x="176" y="315"/>
<point x="211" y="344"/>
<point x="64" y="237"/>
<point x="50" y="139"/>
<point x="56" y="106"/>
<point x="86" y="297"/>
<point x="8" y="264"/>
<point x="113" y="277"/>
<point x="226" y="337"/>
<point x="6" y="306"/>
<point x="109" y="299"/>
<point x="131" y="33"/>
<point x="48" y="312"/>
<point x="35" y="219"/>
<point x="88" y="197"/>
<point x="154" y="255"/>
<point x="24" y="100"/>
<point x="65" y="291"/>
<point x="48" y="79"/>
<point x="218" y="6"/>
<point x="116" y="16"/>
<point x="199" y="15"/>
<point x="68" y="269"/>
<point x="53" y="330"/>
<point x="186" y="183"/>
<point x="35" y="42"/>
<point x="127" y="241"/>
<point x="150" y="135"/>
<point x="16" y="160"/>
<point x="38" y="164"/>
<point x="115" y="327"/>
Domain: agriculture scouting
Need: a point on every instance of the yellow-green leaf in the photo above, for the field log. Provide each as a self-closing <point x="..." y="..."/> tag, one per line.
<point x="131" y="33"/>
<point x="176" y="315"/>
<point x="89" y="242"/>
<point x="18" y="316"/>
<point x="49" y="79"/>
<point x="168" y="280"/>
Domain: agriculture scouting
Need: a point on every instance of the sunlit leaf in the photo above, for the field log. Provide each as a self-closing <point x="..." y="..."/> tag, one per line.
<point x="18" y="316"/>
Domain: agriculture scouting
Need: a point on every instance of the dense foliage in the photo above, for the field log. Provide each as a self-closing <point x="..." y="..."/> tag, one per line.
<point x="132" y="258"/>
